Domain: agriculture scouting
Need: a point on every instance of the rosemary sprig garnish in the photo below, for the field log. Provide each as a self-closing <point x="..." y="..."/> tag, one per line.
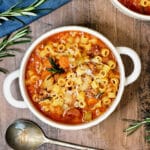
<point x="55" y="68"/>
<point x="13" y="12"/>
<point x="19" y="37"/>
<point x="136" y="124"/>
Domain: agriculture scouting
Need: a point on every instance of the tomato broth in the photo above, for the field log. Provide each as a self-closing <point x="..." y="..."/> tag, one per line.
<point x="140" y="6"/>
<point x="72" y="77"/>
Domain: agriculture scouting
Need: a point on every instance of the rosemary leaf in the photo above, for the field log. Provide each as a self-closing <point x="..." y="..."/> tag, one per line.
<point x="132" y="128"/>
<point x="6" y="55"/>
<point x="55" y="67"/>
<point x="147" y="120"/>
<point x="14" y="11"/>
<point x="130" y="120"/>
<point x="136" y="124"/>
<point x="15" y="18"/>
<point x="13" y="6"/>
<point x="37" y="3"/>
<point x="147" y="138"/>
<point x="52" y="62"/>
<point x="28" y="13"/>
<point x="3" y="70"/>
<point x="19" y="37"/>
<point x="41" y="10"/>
<point x="21" y="42"/>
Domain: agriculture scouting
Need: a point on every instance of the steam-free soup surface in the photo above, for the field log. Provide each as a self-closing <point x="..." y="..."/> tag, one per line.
<point x="72" y="77"/>
<point x="140" y="6"/>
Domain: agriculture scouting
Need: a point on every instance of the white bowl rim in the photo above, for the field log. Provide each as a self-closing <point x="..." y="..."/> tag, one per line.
<point x="57" y="124"/>
<point x="130" y="12"/>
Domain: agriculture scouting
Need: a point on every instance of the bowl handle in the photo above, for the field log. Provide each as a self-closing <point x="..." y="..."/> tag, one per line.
<point x="136" y="62"/>
<point x="7" y="90"/>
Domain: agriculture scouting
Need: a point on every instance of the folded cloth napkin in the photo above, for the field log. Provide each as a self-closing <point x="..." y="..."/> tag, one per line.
<point x="10" y="26"/>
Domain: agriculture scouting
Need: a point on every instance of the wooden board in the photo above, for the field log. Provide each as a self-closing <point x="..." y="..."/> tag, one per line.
<point x="122" y="31"/>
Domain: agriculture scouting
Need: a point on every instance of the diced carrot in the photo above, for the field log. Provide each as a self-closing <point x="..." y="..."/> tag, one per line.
<point x="45" y="74"/>
<point x="46" y="63"/>
<point x="64" y="62"/>
<point x="92" y="101"/>
<point x="58" y="110"/>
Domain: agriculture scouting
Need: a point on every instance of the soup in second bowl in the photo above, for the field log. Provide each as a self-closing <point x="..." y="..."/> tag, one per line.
<point x="72" y="77"/>
<point x="140" y="6"/>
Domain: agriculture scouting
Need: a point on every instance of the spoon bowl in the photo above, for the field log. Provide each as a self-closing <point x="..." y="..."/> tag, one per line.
<point x="23" y="135"/>
<point x="26" y="135"/>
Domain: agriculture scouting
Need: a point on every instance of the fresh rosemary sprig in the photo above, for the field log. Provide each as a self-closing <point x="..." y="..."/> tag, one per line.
<point x="19" y="37"/>
<point x="55" y="68"/>
<point x="13" y="12"/>
<point x="136" y="124"/>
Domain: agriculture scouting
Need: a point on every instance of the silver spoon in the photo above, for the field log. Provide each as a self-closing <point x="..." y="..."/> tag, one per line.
<point x="26" y="135"/>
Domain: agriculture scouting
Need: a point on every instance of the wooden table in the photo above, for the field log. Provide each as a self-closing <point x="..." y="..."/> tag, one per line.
<point x="122" y="31"/>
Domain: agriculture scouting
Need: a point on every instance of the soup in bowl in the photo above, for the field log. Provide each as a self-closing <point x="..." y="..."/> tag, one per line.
<point x="72" y="77"/>
<point x="139" y="9"/>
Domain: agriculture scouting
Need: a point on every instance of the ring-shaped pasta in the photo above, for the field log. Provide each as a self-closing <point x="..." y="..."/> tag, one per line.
<point x="73" y="64"/>
<point x="35" y="98"/>
<point x="106" y="100"/>
<point x="94" y="84"/>
<point x="97" y="59"/>
<point x="115" y="81"/>
<point x="102" y="73"/>
<point x="112" y="64"/>
<point x="71" y="75"/>
<point x="106" y="68"/>
<point x="69" y="83"/>
<point x="61" y="82"/>
<point x="104" y="81"/>
<point x="61" y="48"/>
<point x="84" y="40"/>
<point x="102" y="89"/>
<point x="105" y="52"/>
<point x="81" y="104"/>
<point x="97" y="78"/>
<point x="145" y="3"/>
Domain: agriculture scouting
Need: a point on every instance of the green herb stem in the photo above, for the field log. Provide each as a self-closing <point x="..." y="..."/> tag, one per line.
<point x="15" y="11"/>
<point x="55" y="68"/>
<point x="19" y="37"/>
<point x="136" y="124"/>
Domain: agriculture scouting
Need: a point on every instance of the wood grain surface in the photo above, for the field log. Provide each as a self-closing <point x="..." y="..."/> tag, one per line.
<point x="135" y="104"/>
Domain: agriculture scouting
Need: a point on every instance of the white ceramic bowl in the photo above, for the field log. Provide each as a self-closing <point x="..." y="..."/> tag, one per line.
<point x="129" y="12"/>
<point x="124" y="81"/>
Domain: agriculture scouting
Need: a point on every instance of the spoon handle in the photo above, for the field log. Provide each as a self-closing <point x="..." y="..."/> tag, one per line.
<point x="71" y="145"/>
